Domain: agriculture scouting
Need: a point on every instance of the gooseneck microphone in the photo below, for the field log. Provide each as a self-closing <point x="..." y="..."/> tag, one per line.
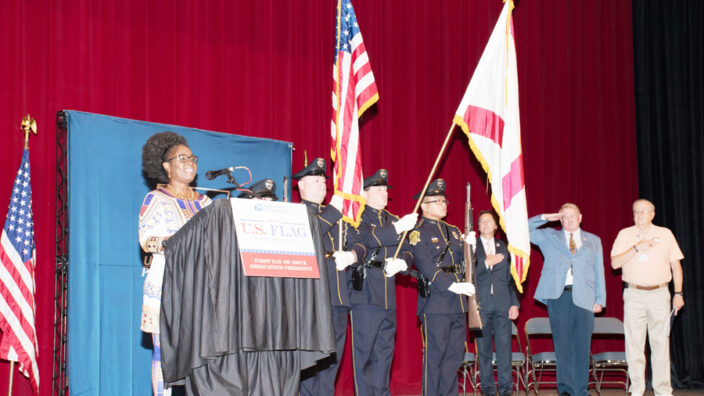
<point x="212" y="174"/>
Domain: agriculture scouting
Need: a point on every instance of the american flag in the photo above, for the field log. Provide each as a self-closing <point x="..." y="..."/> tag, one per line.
<point x="490" y="117"/>
<point x="354" y="90"/>
<point x="17" y="253"/>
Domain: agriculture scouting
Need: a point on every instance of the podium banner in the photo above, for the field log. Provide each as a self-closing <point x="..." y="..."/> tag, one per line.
<point x="274" y="239"/>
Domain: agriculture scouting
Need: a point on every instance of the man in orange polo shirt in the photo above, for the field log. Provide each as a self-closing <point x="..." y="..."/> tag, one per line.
<point x="650" y="258"/>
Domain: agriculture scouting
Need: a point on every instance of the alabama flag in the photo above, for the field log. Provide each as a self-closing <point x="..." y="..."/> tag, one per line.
<point x="490" y="117"/>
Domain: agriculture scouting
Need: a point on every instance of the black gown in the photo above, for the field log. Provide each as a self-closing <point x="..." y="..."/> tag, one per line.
<point x="223" y="333"/>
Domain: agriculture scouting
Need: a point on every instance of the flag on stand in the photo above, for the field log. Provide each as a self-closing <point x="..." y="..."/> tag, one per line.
<point x="354" y="90"/>
<point x="489" y="116"/>
<point x="17" y="288"/>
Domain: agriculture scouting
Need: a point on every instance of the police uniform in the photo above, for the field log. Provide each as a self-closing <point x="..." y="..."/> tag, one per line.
<point x="374" y="306"/>
<point x="436" y="247"/>
<point x="321" y="380"/>
<point x="265" y="188"/>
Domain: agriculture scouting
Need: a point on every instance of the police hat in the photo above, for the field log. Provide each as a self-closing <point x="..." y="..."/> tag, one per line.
<point x="262" y="189"/>
<point x="378" y="179"/>
<point x="316" y="168"/>
<point x="437" y="187"/>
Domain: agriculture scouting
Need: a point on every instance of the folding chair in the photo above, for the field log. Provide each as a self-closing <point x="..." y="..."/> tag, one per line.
<point x="540" y="362"/>
<point x="610" y="363"/>
<point x="518" y="361"/>
<point x="468" y="369"/>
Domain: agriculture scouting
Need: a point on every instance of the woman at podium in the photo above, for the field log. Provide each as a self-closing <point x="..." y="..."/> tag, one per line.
<point x="168" y="161"/>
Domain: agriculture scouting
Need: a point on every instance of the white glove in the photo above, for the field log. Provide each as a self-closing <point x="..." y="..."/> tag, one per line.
<point x="336" y="202"/>
<point x="394" y="266"/>
<point x="406" y="223"/>
<point x="465" y="288"/>
<point x="471" y="239"/>
<point x="343" y="259"/>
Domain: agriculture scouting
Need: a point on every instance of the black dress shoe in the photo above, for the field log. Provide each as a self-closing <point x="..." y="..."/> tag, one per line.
<point x="564" y="394"/>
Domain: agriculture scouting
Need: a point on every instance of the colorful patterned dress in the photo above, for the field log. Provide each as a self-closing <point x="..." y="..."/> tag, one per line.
<point x="161" y="215"/>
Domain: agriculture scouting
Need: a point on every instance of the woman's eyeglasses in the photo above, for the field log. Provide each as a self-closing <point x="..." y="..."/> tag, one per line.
<point x="184" y="158"/>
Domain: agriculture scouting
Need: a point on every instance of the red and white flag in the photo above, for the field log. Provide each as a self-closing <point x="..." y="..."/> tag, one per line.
<point x="354" y="90"/>
<point x="17" y="288"/>
<point x="490" y="117"/>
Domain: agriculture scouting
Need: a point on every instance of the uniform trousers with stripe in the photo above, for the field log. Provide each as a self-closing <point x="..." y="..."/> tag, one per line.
<point x="323" y="382"/>
<point x="445" y="335"/>
<point x="373" y="331"/>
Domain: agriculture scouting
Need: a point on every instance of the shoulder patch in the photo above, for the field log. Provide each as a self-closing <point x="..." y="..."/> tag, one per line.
<point x="414" y="237"/>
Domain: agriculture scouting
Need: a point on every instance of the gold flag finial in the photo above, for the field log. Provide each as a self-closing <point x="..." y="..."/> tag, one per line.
<point x="305" y="159"/>
<point x="29" y="125"/>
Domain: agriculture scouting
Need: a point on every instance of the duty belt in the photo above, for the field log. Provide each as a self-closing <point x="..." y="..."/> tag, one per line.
<point x="450" y="269"/>
<point x="375" y="264"/>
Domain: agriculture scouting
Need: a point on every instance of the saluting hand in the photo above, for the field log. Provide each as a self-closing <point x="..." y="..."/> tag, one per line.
<point x="552" y="216"/>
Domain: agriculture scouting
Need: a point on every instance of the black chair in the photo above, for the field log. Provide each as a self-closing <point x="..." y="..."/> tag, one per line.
<point x="611" y="364"/>
<point x="541" y="362"/>
<point x="468" y="370"/>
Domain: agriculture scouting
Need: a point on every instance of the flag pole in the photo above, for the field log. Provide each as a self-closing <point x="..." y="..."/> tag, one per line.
<point x="427" y="182"/>
<point x="12" y="372"/>
<point x="28" y="126"/>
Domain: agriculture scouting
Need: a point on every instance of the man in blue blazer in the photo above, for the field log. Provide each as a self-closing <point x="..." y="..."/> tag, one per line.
<point x="497" y="297"/>
<point x="572" y="286"/>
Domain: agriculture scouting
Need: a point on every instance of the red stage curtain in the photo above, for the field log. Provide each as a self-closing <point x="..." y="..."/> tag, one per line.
<point x="263" y="68"/>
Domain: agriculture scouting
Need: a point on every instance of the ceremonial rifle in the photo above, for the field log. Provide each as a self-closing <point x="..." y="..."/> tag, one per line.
<point x="474" y="320"/>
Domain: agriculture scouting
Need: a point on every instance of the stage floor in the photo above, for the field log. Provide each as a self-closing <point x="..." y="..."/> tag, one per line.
<point x="605" y="392"/>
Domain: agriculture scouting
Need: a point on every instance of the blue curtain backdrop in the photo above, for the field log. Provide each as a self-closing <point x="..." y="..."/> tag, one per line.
<point x="107" y="352"/>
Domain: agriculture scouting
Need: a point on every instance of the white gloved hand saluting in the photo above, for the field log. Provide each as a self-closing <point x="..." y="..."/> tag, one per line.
<point x="465" y="288"/>
<point x="471" y="239"/>
<point x="406" y="223"/>
<point x="343" y="259"/>
<point x="393" y="266"/>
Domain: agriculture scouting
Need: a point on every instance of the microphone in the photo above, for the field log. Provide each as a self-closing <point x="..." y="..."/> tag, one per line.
<point x="212" y="174"/>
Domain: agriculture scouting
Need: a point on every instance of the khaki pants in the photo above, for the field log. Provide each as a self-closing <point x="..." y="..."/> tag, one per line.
<point x="647" y="310"/>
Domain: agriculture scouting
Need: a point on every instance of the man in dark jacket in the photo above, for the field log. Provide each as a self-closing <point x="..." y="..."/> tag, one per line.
<point x="496" y="295"/>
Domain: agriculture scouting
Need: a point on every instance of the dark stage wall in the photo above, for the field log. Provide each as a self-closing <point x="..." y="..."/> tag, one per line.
<point x="263" y="68"/>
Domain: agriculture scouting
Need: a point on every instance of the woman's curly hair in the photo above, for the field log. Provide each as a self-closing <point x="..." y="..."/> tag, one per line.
<point x="154" y="153"/>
